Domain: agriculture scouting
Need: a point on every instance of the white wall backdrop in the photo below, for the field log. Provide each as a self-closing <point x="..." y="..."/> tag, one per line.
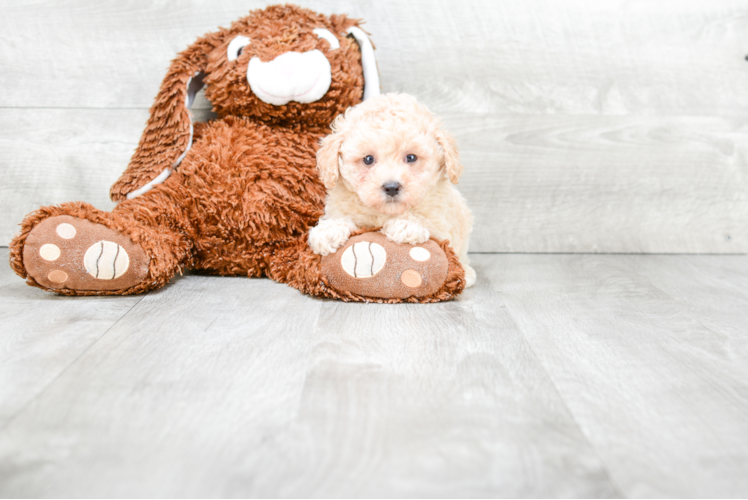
<point x="585" y="126"/>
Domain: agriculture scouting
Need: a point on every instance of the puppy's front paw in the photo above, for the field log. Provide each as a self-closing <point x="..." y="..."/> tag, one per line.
<point x="405" y="231"/>
<point x="328" y="235"/>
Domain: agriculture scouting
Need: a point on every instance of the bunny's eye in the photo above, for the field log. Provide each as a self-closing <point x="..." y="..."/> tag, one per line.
<point x="325" y="34"/>
<point x="236" y="46"/>
<point x="368" y="160"/>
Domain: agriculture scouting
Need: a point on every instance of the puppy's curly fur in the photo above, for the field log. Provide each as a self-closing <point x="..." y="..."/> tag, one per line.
<point x="389" y="163"/>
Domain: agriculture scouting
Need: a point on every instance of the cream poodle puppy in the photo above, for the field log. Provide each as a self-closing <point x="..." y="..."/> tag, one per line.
<point x="388" y="163"/>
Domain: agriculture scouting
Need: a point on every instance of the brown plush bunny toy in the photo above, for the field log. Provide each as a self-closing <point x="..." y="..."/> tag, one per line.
<point x="236" y="195"/>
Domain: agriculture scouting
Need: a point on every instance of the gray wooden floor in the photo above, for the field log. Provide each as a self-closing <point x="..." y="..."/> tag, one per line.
<point x="557" y="375"/>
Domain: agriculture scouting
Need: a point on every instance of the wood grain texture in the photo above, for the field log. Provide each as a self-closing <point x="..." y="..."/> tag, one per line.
<point x="535" y="184"/>
<point x="585" y="127"/>
<point x="41" y="335"/>
<point x="236" y="387"/>
<point x="50" y="156"/>
<point x="558" y="375"/>
<point x="623" y="184"/>
<point x="650" y="354"/>
<point x="531" y="57"/>
<point x="56" y="155"/>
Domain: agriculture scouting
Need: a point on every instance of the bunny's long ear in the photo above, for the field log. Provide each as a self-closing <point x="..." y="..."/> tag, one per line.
<point x="368" y="62"/>
<point x="168" y="132"/>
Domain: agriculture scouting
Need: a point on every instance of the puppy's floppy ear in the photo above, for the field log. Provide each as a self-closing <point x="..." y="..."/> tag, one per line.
<point x="328" y="159"/>
<point x="451" y="163"/>
<point x="168" y="132"/>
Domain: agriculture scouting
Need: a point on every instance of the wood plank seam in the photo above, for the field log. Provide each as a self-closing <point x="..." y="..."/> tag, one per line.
<point x="67" y="367"/>
<point x="493" y="290"/>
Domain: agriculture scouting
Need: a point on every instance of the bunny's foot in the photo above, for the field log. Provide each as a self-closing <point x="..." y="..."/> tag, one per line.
<point x="76" y="256"/>
<point x="370" y="267"/>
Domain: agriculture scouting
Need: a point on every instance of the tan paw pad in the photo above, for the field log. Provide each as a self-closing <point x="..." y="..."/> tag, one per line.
<point x="57" y="276"/>
<point x="49" y="252"/>
<point x="66" y="231"/>
<point x="411" y="278"/>
<point x="420" y="254"/>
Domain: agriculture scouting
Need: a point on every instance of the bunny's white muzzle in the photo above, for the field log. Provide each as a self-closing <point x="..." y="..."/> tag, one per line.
<point x="293" y="76"/>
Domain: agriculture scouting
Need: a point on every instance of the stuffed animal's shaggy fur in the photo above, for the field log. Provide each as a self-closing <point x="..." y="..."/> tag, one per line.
<point x="234" y="196"/>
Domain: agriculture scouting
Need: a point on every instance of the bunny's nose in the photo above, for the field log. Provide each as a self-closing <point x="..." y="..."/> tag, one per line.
<point x="391" y="188"/>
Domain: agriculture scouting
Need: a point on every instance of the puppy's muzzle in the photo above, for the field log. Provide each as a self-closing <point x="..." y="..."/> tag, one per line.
<point x="391" y="188"/>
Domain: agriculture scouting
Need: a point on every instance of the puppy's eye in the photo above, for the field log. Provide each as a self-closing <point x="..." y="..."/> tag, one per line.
<point x="411" y="158"/>
<point x="236" y="46"/>
<point x="368" y="160"/>
<point x="323" y="33"/>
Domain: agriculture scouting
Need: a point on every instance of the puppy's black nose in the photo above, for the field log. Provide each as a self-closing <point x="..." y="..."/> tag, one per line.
<point x="391" y="188"/>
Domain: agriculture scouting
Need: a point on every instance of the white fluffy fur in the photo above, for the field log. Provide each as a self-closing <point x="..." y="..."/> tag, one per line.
<point x="390" y="127"/>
